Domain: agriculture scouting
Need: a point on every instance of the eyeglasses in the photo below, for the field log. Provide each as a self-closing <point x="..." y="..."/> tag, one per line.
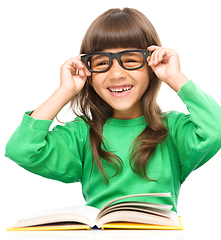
<point x="99" y="62"/>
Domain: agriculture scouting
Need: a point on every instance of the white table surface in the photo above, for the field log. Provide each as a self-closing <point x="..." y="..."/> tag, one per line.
<point x="96" y="234"/>
<point x="186" y="234"/>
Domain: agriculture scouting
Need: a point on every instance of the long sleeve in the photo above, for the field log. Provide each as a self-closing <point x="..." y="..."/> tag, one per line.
<point x="55" y="154"/>
<point x="196" y="136"/>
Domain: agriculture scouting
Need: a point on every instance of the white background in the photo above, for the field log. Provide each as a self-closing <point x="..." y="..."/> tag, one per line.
<point x="37" y="37"/>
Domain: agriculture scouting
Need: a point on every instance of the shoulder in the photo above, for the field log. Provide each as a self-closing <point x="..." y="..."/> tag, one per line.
<point x="174" y="117"/>
<point x="79" y="121"/>
<point x="77" y="127"/>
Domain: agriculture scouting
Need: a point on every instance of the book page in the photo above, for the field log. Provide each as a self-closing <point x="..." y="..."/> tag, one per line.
<point x="130" y="196"/>
<point x="143" y="207"/>
<point x="82" y="214"/>
<point x="139" y="217"/>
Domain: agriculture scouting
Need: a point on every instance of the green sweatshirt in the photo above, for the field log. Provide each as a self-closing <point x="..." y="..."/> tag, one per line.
<point x="64" y="153"/>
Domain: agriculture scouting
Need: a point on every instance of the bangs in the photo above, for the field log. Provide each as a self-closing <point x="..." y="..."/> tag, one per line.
<point x="118" y="29"/>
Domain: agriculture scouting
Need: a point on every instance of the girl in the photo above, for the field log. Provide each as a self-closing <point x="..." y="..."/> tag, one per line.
<point x="120" y="143"/>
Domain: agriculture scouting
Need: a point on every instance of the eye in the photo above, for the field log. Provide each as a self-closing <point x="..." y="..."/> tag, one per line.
<point x="130" y="60"/>
<point x="101" y="63"/>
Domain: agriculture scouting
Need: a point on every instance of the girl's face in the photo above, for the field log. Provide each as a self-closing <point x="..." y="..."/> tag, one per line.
<point x="122" y="89"/>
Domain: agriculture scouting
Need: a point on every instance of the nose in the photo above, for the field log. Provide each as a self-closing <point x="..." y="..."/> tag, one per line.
<point x="116" y="71"/>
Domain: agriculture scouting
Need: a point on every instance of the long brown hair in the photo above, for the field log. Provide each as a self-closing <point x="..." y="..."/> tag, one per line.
<point x="115" y="28"/>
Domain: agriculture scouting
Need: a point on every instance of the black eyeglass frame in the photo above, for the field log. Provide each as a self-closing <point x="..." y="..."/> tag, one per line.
<point x="117" y="56"/>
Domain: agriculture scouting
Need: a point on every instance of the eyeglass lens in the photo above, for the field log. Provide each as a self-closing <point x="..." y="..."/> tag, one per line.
<point x="129" y="60"/>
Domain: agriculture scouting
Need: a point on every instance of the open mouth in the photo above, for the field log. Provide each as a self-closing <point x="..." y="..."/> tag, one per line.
<point x="120" y="89"/>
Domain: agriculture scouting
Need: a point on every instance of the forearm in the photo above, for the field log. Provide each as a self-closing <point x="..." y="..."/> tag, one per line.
<point x="177" y="80"/>
<point x="52" y="106"/>
<point x="197" y="135"/>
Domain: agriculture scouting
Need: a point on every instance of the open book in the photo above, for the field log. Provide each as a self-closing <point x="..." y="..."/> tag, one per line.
<point x="120" y="213"/>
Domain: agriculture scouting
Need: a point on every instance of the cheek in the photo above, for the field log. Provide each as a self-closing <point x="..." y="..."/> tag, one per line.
<point x="147" y="75"/>
<point x="143" y="77"/>
<point x="94" y="79"/>
<point x="96" y="84"/>
<point x="97" y="81"/>
<point x="149" y="71"/>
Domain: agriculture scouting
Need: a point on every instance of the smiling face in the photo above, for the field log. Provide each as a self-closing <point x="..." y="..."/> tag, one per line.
<point x="122" y="89"/>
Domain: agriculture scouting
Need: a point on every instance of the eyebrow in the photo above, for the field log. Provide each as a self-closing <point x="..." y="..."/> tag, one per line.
<point x="131" y="53"/>
<point x="94" y="57"/>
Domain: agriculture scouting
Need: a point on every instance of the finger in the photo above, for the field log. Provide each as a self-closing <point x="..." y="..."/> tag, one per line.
<point x="84" y="72"/>
<point x="152" y="48"/>
<point x="72" y="65"/>
<point x="158" y="57"/>
<point x="76" y="64"/>
<point x="76" y="67"/>
<point x="87" y="72"/>
<point x="153" y="57"/>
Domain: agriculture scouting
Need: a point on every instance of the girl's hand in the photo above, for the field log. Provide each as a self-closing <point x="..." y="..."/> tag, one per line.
<point x="73" y="75"/>
<point x="166" y="65"/>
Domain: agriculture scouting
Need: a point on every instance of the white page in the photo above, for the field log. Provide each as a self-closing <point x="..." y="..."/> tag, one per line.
<point x="81" y="212"/>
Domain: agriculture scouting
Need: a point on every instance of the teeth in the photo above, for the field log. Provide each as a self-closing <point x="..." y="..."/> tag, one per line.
<point x="117" y="90"/>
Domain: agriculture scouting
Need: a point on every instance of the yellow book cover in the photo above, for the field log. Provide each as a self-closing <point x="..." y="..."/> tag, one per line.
<point x="62" y="227"/>
<point x="140" y="226"/>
